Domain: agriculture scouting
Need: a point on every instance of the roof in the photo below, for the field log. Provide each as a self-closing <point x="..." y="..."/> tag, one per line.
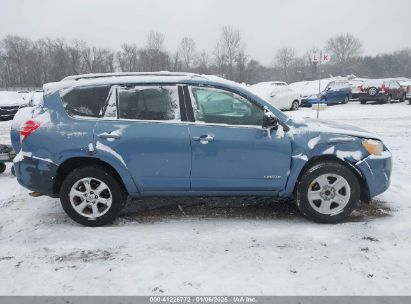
<point x="122" y="74"/>
<point x="136" y="77"/>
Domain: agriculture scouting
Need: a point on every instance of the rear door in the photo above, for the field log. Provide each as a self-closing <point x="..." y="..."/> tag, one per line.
<point x="230" y="149"/>
<point x="142" y="130"/>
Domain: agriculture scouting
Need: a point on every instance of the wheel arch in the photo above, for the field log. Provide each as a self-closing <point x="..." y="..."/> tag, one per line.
<point x="76" y="162"/>
<point x="365" y="193"/>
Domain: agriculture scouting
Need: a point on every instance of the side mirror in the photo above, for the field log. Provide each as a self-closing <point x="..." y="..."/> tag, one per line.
<point x="269" y="120"/>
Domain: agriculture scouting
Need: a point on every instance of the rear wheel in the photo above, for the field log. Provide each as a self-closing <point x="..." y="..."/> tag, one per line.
<point x="402" y="99"/>
<point x="295" y="105"/>
<point x="92" y="196"/>
<point x="389" y="99"/>
<point x="328" y="192"/>
<point x="363" y="101"/>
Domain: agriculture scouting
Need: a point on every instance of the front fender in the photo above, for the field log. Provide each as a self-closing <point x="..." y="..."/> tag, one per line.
<point x="346" y="148"/>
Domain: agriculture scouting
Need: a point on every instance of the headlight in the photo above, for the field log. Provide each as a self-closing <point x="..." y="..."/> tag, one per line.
<point x="373" y="147"/>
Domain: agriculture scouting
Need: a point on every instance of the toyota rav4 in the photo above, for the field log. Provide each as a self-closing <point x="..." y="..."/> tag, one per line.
<point x="97" y="139"/>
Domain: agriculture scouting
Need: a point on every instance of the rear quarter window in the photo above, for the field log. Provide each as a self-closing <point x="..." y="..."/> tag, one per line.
<point x="86" y="101"/>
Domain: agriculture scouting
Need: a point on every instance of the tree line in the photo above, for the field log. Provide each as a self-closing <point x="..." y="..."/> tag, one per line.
<point x="28" y="63"/>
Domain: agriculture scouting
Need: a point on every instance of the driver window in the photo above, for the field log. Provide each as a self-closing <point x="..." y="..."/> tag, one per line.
<point x="223" y="107"/>
<point x="331" y="85"/>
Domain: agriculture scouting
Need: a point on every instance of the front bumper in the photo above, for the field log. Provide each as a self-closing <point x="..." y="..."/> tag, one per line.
<point x="377" y="172"/>
<point x="35" y="174"/>
<point x="309" y="101"/>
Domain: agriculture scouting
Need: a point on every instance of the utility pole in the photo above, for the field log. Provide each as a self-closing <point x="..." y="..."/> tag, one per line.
<point x="319" y="84"/>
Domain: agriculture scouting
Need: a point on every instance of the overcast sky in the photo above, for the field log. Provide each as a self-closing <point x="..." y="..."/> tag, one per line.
<point x="266" y="25"/>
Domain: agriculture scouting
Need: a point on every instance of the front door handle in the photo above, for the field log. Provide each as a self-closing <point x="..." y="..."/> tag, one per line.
<point x="203" y="139"/>
<point x="112" y="135"/>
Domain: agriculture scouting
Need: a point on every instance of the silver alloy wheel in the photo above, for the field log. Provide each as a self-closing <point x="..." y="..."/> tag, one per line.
<point x="372" y="91"/>
<point x="90" y="197"/>
<point x="346" y="99"/>
<point x="329" y="194"/>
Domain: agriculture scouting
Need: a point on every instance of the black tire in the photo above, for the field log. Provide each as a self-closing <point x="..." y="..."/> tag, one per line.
<point x="13" y="171"/>
<point x="389" y="99"/>
<point x="402" y="99"/>
<point x="308" y="180"/>
<point x="2" y="167"/>
<point x="346" y="99"/>
<point x="363" y="101"/>
<point x="295" y="105"/>
<point x="118" y="195"/>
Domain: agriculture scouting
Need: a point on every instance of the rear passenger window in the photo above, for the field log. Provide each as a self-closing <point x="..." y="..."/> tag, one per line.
<point x="149" y="103"/>
<point x="86" y="101"/>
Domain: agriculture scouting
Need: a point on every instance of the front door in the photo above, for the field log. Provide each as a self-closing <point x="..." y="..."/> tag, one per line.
<point x="230" y="149"/>
<point x="143" y="132"/>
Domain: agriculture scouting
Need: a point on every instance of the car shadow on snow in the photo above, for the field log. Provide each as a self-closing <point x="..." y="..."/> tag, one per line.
<point x="255" y="208"/>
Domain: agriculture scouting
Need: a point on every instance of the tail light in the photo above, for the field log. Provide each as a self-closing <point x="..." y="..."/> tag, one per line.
<point x="382" y="88"/>
<point x="27" y="128"/>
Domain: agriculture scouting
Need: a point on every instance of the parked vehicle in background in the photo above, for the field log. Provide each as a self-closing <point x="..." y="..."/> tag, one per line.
<point x="381" y="90"/>
<point x="35" y="98"/>
<point x="406" y="85"/>
<point x="356" y="84"/>
<point x="10" y="102"/>
<point x="96" y="140"/>
<point x="278" y="94"/>
<point x="337" y="91"/>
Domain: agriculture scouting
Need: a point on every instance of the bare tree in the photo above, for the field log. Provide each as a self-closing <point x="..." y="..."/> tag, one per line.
<point x="241" y="66"/>
<point x="203" y="62"/>
<point x="343" y="47"/>
<point x="128" y="57"/>
<point x="284" y="60"/>
<point x="153" y="56"/>
<point x="155" y="41"/>
<point x="187" y="50"/>
<point x="227" y="49"/>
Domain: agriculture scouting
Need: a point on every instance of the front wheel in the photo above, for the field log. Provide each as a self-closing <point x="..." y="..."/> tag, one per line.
<point x="2" y="167"/>
<point x="346" y="99"/>
<point x="92" y="196"/>
<point x="327" y="192"/>
<point x="295" y="105"/>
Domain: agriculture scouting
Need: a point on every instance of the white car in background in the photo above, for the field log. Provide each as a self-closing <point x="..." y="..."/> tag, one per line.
<point x="278" y="94"/>
<point x="10" y="103"/>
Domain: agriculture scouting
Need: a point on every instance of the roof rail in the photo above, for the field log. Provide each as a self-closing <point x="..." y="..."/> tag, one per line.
<point x="102" y="75"/>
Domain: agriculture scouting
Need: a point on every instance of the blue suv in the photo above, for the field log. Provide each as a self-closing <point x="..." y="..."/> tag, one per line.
<point x="98" y="139"/>
<point x="337" y="91"/>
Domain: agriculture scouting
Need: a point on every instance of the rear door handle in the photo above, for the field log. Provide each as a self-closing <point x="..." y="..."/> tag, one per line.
<point x="112" y="135"/>
<point x="204" y="139"/>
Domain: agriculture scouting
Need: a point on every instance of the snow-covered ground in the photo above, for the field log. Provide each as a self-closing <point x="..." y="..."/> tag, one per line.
<point x="227" y="247"/>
